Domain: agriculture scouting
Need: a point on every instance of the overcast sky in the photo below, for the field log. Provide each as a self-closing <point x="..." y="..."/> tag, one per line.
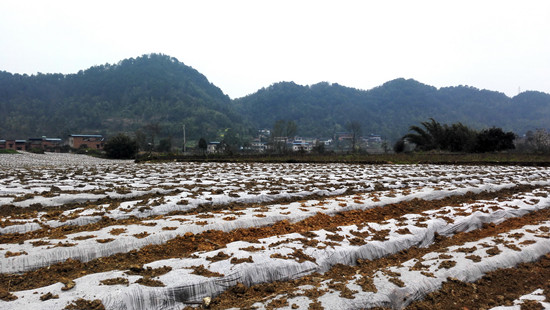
<point x="242" y="46"/>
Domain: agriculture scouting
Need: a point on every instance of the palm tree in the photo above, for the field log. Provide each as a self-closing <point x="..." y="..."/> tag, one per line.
<point x="432" y="137"/>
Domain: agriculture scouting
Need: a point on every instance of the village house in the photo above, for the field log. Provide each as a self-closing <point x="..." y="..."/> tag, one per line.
<point x="17" y="145"/>
<point x="51" y="143"/>
<point x="213" y="147"/>
<point x="258" y="146"/>
<point x="325" y="141"/>
<point x="300" y="146"/>
<point x="87" y="141"/>
<point x="264" y="134"/>
<point x="343" y="136"/>
<point x="46" y="144"/>
<point x="372" y="138"/>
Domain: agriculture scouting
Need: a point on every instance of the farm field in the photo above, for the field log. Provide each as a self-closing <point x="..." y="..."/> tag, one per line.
<point x="78" y="232"/>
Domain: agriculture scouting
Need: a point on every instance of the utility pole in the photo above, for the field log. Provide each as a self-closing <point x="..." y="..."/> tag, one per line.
<point x="184" y="140"/>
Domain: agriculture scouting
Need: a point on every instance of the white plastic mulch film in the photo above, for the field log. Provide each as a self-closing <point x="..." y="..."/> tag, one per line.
<point x="152" y="192"/>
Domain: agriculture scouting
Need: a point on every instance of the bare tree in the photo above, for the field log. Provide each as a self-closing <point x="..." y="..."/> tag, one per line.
<point x="282" y="131"/>
<point x="153" y="129"/>
<point x="538" y="141"/>
<point x="354" y="127"/>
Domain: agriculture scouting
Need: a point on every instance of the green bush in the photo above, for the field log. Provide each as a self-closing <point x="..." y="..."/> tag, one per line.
<point x="121" y="146"/>
<point x="37" y="150"/>
<point x="89" y="151"/>
<point x="399" y="146"/>
<point x="8" y="151"/>
<point x="457" y="138"/>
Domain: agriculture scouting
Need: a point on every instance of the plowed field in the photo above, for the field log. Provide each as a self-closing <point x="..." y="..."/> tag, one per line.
<point x="84" y="233"/>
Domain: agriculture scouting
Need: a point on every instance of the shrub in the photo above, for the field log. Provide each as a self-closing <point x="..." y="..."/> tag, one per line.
<point x="399" y="146"/>
<point x="8" y="151"/>
<point x="494" y="140"/>
<point x="121" y="146"/>
<point x="165" y="145"/>
<point x="37" y="150"/>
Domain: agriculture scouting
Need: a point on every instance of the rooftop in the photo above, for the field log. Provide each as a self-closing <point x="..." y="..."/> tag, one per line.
<point x="87" y="136"/>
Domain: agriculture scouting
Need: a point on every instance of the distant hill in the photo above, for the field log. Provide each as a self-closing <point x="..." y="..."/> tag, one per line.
<point x="152" y="89"/>
<point x="323" y="109"/>
<point x="159" y="90"/>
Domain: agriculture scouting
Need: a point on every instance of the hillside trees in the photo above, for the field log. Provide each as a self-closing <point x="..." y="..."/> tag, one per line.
<point x="324" y="108"/>
<point x="155" y="88"/>
<point x="113" y="98"/>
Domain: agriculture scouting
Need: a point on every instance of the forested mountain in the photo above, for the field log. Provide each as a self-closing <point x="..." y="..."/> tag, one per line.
<point x="390" y="109"/>
<point x="157" y="94"/>
<point x="132" y="95"/>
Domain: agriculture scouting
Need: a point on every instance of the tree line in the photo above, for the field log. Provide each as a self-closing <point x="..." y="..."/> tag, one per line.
<point x="428" y="136"/>
<point x="432" y="135"/>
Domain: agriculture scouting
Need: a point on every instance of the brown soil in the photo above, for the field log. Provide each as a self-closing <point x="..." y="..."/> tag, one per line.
<point x="147" y="281"/>
<point x="201" y="271"/>
<point x="500" y="287"/>
<point x="48" y="296"/>
<point x="115" y="281"/>
<point x="81" y="304"/>
<point x="6" y="295"/>
<point x="148" y="272"/>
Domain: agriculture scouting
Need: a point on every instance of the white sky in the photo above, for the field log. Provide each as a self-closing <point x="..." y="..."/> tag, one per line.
<point x="242" y="46"/>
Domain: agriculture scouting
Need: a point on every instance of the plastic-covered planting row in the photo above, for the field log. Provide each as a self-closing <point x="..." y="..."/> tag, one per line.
<point x="219" y="187"/>
<point x="135" y="208"/>
<point x="398" y="286"/>
<point x="185" y="200"/>
<point x="112" y="177"/>
<point x="53" y="160"/>
<point x="52" y="192"/>
<point x="86" y="246"/>
<point x="536" y="297"/>
<point x="28" y="181"/>
<point x="279" y="258"/>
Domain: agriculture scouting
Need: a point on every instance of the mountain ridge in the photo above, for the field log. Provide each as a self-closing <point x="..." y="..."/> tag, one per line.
<point x="160" y="90"/>
<point x="392" y="107"/>
<point x="107" y="99"/>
